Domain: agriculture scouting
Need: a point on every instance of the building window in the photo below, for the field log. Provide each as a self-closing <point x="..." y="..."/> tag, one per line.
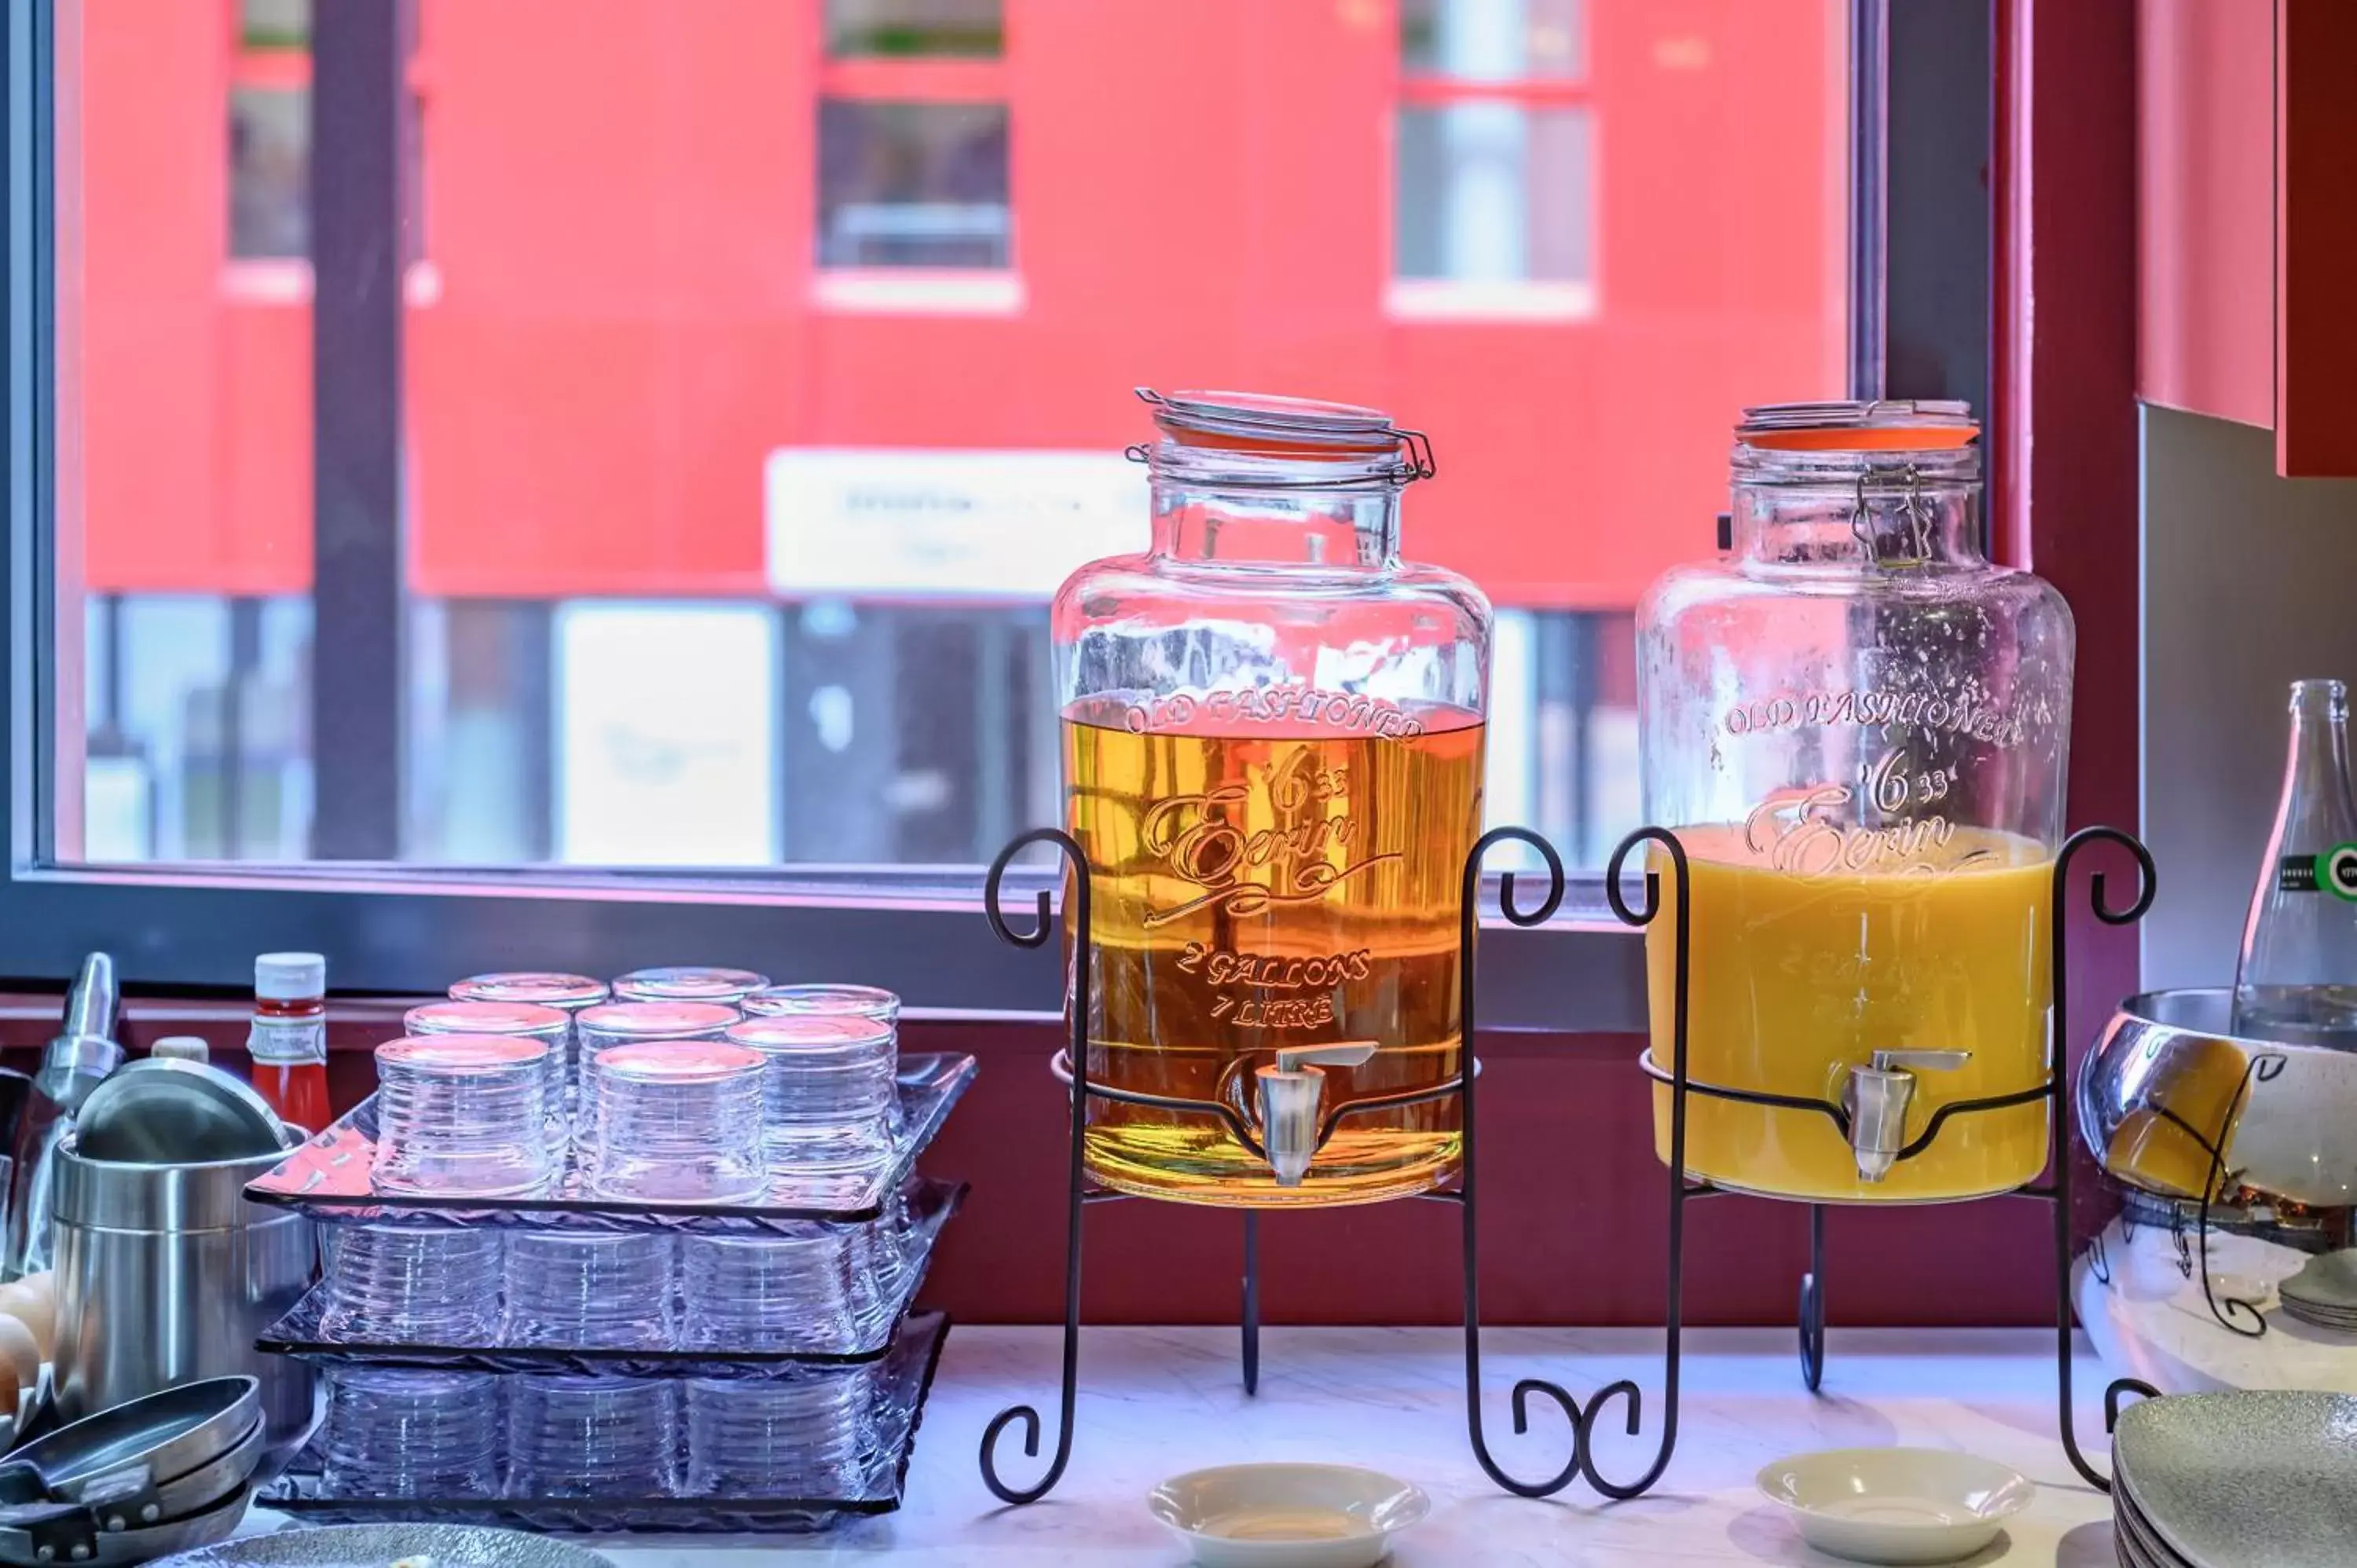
<point x="1492" y="209"/>
<point x="270" y="132"/>
<point x="270" y="138"/>
<point x="912" y="149"/>
<point x="913" y="29"/>
<point x="912" y="185"/>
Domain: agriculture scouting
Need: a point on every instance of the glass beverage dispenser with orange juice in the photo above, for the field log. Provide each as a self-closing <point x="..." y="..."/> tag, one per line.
<point x="1856" y="726"/>
<point x="1271" y="730"/>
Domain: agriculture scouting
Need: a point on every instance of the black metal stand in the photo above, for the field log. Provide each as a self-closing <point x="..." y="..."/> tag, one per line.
<point x="1811" y="1296"/>
<point x="1071" y="1066"/>
<point x="2231" y="1312"/>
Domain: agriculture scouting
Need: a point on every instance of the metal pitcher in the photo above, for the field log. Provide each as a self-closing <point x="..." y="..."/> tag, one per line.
<point x="167" y="1273"/>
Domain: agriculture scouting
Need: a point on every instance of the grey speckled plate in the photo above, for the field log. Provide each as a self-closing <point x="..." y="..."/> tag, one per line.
<point x="2137" y="1543"/>
<point x="2327" y="1280"/>
<point x="2244" y="1481"/>
<point x="382" y="1545"/>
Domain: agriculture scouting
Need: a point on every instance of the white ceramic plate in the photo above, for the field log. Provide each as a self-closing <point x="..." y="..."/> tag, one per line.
<point x="1287" y="1515"/>
<point x="1896" y="1505"/>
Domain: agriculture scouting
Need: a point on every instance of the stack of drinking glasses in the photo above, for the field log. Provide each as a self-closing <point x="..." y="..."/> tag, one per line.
<point x="628" y="1256"/>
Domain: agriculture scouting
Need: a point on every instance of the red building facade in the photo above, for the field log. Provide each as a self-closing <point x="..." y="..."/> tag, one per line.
<point x="617" y="311"/>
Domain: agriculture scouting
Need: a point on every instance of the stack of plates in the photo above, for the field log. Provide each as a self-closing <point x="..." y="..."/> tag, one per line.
<point x="2324" y="1293"/>
<point x="2260" y="1480"/>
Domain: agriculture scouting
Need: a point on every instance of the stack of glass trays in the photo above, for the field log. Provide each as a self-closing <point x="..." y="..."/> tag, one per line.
<point x="328" y="1179"/>
<point x="643" y="1304"/>
<point x="796" y="1450"/>
<point x="746" y="1364"/>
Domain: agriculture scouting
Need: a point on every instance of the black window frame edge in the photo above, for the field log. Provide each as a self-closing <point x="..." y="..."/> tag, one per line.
<point x="1916" y="317"/>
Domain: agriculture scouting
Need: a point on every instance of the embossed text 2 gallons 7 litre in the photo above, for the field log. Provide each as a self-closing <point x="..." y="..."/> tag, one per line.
<point x="1273" y="758"/>
<point x="1856" y="728"/>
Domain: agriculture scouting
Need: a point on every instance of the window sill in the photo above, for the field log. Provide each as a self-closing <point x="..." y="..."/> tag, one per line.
<point x="1507" y="300"/>
<point x="890" y="291"/>
<point x="919" y="932"/>
<point x="287" y="280"/>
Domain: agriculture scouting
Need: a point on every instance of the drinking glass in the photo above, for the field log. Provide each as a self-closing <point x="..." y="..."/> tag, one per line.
<point x="412" y="1284"/>
<point x="629" y="1023"/>
<point x="525" y="1020"/>
<point x="855" y="1000"/>
<point x="679" y="1121"/>
<point x="463" y="1114"/>
<point x="688" y="982"/>
<point x="399" y="1434"/>
<point x="595" y="1288"/>
<point x="789" y="1289"/>
<point x="827" y="1094"/>
<point x="580" y="1437"/>
<point x="763" y="1437"/>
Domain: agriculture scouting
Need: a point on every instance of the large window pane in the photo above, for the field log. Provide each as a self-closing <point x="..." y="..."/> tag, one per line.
<point x="741" y="447"/>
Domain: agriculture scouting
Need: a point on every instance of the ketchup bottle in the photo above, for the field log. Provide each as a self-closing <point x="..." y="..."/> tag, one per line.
<point x="288" y="1041"/>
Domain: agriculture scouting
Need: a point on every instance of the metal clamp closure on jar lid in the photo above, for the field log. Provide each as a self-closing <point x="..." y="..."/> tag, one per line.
<point x="1266" y="425"/>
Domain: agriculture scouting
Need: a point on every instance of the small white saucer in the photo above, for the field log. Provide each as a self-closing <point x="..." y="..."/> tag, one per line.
<point x="1287" y="1515"/>
<point x="1896" y="1505"/>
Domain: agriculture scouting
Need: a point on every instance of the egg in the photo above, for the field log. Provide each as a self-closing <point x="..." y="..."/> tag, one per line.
<point x="33" y="1302"/>
<point x="20" y="1365"/>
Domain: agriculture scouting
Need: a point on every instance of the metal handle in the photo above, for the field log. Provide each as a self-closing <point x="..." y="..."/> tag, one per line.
<point x="1920" y="1061"/>
<point x="1290" y="1096"/>
<point x="1343" y="1053"/>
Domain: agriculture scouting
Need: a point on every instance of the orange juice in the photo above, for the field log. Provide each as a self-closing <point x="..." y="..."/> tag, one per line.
<point x="1798" y="976"/>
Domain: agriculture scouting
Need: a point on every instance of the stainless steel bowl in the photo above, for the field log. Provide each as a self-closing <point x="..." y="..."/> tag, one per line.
<point x="2170" y="1084"/>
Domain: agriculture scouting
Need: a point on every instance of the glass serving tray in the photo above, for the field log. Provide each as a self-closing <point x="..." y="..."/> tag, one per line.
<point x="898" y="1384"/>
<point x="867" y="1328"/>
<point x="328" y="1177"/>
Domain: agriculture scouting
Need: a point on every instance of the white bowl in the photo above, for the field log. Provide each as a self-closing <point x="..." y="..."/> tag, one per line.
<point x="1287" y="1515"/>
<point x="1896" y="1505"/>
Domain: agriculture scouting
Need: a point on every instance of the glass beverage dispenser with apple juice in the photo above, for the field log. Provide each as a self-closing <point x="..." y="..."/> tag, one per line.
<point x="1272" y="751"/>
<point x="1856" y="726"/>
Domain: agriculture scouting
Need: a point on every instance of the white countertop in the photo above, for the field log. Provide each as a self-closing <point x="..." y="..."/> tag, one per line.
<point x="1156" y="1401"/>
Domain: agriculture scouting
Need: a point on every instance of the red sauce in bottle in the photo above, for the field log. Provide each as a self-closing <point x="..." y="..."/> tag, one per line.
<point x="288" y="1041"/>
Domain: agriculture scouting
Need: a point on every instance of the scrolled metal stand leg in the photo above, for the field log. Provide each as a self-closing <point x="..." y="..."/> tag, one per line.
<point x="1813" y="1304"/>
<point x="1469" y="924"/>
<point x="1027" y="1415"/>
<point x="1592" y="1415"/>
<point x="1251" y="1303"/>
<point x="2059" y="1130"/>
<point x="2235" y="1316"/>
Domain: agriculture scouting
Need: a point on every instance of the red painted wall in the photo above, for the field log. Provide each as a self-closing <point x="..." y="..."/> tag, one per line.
<point x="619" y="199"/>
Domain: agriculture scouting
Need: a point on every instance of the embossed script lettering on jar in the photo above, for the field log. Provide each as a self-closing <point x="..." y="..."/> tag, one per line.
<point x="1208" y="838"/>
<point x="1268" y="881"/>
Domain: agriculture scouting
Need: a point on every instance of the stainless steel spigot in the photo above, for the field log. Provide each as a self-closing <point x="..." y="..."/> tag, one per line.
<point x="1291" y="1095"/>
<point x="78" y="1059"/>
<point x="1877" y="1098"/>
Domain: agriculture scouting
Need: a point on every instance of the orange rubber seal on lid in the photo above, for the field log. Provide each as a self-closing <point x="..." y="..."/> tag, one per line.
<point x="1866" y="438"/>
<point x="1277" y="446"/>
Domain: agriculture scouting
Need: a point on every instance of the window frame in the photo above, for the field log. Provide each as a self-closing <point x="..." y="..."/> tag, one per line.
<point x="920" y="931"/>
